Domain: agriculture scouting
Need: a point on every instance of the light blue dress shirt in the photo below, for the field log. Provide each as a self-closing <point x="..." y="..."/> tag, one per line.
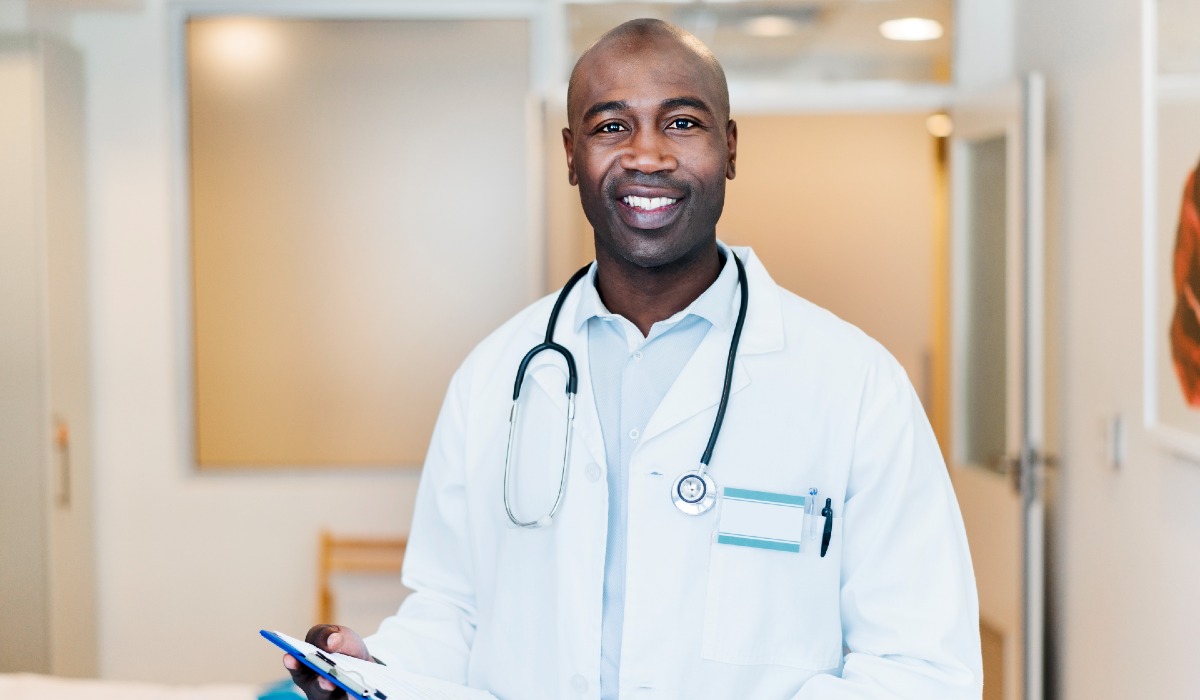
<point x="630" y="376"/>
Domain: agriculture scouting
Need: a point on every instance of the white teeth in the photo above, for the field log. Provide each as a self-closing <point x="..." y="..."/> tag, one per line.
<point x="648" y="203"/>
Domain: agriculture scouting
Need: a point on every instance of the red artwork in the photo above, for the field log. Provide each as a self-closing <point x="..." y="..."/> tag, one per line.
<point x="1185" y="324"/>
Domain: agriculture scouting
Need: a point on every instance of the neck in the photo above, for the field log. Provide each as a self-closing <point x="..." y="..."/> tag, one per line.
<point x="647" y="295"/>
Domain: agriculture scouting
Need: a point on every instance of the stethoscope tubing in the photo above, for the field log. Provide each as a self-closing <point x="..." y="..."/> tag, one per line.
<point x="572" y="385"/>
<point x="743" y="306"/>
<point x="514" y="412"/>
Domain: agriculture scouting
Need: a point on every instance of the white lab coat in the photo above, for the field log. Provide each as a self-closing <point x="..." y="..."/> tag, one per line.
<point x="890" y="612"/>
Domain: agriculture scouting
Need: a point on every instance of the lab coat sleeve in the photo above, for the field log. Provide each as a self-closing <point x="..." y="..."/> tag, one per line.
<point x="910" y="620"/>
<point x="433" y="630"/>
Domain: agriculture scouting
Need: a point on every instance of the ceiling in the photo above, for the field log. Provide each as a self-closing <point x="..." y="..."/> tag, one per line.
<point x="828" y="41"/>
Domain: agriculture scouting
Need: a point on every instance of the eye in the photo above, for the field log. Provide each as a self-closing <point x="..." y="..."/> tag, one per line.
<point x="682" y="123"/>
<point x="610" y="128"/>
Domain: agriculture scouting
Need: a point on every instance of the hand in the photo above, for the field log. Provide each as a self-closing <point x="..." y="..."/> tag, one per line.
<point x="334" y="638"/>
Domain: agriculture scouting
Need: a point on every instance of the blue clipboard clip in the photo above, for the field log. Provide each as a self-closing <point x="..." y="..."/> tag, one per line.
<point x="346" y="679"/>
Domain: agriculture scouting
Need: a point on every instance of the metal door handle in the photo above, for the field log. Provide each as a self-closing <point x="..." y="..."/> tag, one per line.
<point x="62" y="441"/>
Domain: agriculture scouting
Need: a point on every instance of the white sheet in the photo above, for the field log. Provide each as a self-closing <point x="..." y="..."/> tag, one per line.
<point x="28" y="686"/>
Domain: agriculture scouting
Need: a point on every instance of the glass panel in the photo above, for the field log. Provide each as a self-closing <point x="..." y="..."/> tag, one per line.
<point x="985" y="354"/>
<point x="352" y="183"/>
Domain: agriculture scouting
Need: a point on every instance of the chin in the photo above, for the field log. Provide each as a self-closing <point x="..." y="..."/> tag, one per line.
<point x="654" y="250"/>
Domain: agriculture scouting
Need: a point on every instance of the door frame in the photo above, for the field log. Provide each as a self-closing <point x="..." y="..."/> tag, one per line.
<point x="1015" y="111"/>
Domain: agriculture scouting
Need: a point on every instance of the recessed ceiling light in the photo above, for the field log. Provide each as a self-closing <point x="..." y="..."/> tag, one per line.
<point x="770" y="25"/>
<point x="239" y="43"/>
<point x="940" y="125"/>
<point x="911" y="29"/>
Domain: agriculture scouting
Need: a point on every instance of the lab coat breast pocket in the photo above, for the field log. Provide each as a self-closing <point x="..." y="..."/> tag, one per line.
<point x="773" y="607"/>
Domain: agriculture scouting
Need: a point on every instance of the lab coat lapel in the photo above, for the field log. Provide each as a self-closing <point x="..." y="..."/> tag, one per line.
<point x="699" y="384"/>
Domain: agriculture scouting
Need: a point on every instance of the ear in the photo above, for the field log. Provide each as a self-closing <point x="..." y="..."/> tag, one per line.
<point x="731" y="143"/>
<point x="569" y="147"/>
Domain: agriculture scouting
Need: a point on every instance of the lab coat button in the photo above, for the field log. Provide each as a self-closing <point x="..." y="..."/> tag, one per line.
<point x="592" y="472"/>
<point x="637" y="355"/>
<point x="634" y="434"/>
<point x="579" y="684"/>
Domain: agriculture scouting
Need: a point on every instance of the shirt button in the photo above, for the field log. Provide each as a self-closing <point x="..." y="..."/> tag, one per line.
<point x="637" y="355"/>
<point x="579" y="684"/>
<point x="592" y="472"/>
<point x="634" y="434"/>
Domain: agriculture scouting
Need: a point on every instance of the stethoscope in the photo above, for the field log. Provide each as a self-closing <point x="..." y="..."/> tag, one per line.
<point x="694" y="492"/>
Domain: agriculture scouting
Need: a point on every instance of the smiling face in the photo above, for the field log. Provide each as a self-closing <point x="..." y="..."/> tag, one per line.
<point x="650" y="145"/>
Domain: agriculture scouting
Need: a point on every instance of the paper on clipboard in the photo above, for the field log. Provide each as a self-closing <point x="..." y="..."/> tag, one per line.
<point x="383" y="682"/>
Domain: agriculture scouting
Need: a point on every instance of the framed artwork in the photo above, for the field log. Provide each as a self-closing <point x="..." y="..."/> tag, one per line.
<point x="1172" y="223"/>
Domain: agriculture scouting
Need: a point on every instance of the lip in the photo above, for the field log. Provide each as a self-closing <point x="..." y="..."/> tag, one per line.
<point x="651" y="219"/>
<point x="647" y="191"/>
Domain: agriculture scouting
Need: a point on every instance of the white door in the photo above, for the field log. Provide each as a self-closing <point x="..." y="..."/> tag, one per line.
<point x="996" y="423"/>
<point x="47" y="527"/>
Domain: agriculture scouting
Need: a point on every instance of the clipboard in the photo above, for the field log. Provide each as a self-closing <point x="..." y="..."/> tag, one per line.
<point x="368" y="680"/>
<point x="325" y="665"/>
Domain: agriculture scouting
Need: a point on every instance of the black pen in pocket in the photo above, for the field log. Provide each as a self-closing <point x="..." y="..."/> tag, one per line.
<point x="827" y="511"/>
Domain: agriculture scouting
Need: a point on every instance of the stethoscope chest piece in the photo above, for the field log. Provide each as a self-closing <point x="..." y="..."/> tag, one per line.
<point x="694" y="492"/>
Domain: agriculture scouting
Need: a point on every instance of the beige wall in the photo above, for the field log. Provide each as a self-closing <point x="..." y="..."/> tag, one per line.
<point x="841" y="208"/>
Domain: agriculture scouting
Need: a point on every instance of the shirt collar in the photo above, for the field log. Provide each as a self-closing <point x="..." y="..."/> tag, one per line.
<point x="717" y="304"/>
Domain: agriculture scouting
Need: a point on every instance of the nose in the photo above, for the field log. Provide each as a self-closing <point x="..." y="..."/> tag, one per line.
<point x="649" y="151"/>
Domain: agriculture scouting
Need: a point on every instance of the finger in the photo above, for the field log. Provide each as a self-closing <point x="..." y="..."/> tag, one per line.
<point x="299" y="671"/>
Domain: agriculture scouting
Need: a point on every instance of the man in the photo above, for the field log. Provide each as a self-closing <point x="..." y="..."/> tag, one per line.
<point x="620" y="594"/>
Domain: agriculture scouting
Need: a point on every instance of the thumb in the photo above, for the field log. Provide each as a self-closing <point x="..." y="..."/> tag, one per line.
<point x="339" y="639"/>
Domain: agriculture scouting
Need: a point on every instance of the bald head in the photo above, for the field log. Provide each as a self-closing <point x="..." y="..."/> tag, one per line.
<point x="650" y="145"/>
<point x="635" y="37"/>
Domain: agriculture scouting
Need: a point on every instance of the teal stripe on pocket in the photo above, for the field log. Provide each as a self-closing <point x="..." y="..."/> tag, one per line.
<point x="761" y="544"/>
<point x="764" y="496"/>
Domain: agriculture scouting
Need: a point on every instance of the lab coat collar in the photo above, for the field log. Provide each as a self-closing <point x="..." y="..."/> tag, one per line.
<point x="717" y="304"/>
<point x="763" y="331"/>
<point x="698" y="387"/>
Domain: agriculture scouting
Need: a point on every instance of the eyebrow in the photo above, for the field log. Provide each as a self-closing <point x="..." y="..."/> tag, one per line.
<point x="693" y="102"/>
<point x="601" y="107"/>
<point x="671" y="103"/>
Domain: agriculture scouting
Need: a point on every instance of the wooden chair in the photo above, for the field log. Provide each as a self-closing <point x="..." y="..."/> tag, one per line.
<point x="353" y="554"/>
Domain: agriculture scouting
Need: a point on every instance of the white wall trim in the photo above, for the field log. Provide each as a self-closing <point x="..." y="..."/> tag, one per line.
<point x="860" y="97"/>
<point x="1176" y="88"/>
<point x="1149" y="216"/>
